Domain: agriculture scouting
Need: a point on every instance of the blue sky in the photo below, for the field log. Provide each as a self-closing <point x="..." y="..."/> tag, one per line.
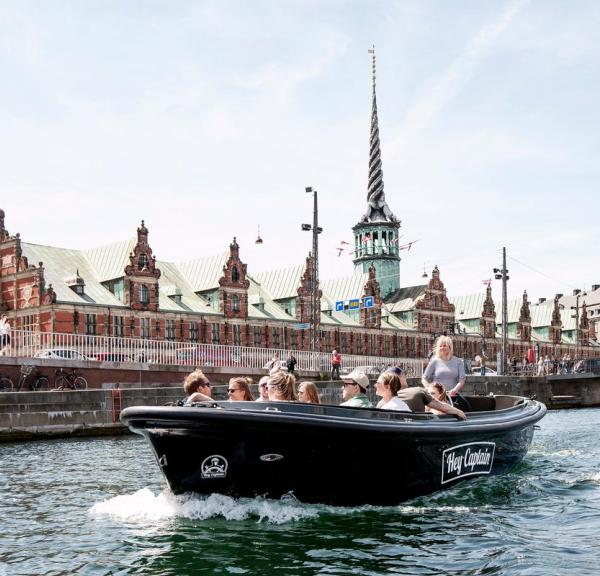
<point x="208" y="119"/>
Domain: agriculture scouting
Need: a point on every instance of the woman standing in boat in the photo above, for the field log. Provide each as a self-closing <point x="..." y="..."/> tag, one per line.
<point x="445" y="368"/>
<point x="282" y="387"/>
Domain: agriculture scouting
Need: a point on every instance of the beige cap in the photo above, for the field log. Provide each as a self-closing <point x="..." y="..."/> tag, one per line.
<point x="359" y="378"/>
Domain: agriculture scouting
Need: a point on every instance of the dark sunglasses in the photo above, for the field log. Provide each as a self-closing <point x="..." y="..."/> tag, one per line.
<point x="232" y="390"/>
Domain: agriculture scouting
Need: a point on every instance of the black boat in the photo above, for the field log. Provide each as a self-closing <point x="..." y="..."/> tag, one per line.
<point x="332" y="454"/>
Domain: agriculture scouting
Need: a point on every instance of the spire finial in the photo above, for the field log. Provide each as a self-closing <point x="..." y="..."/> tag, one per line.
<point x="373" y="67"/>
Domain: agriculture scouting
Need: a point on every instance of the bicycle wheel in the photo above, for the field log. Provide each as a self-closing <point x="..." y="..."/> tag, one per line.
<point x="61" y="383"/>
<point x="41" y="383"/>
<point x="6" y="384"/>
<point x="80" y="383"/>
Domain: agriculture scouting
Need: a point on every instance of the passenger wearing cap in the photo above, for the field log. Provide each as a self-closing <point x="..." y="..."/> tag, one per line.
<point x="354" y="390"/>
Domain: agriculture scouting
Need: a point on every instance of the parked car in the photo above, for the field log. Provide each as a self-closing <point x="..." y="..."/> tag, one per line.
<point x="60" y="354"/>
<point x="488" y="372"/>
<point x="112" y="357"/>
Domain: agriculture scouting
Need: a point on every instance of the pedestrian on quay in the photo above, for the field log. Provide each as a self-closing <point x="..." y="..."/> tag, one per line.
<point x="274" y="364"/>
<point x="4" y="334"/>
<point x="291" y="363"/>
<point x="336" y="362"/>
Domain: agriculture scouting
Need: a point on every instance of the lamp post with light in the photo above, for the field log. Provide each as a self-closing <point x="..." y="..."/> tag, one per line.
<point x="502" y="274"/>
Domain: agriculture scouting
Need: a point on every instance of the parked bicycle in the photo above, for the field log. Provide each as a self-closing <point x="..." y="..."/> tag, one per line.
<point x="69" y="380"/>
<point x="39" y="382"/>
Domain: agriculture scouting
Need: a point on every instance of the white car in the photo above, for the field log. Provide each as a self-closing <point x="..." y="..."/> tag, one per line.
<point x="488" y="372"/>
<point x="60" y="354"/>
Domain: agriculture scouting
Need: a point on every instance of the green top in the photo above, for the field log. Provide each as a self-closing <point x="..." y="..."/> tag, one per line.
<point x="358" y="401"/>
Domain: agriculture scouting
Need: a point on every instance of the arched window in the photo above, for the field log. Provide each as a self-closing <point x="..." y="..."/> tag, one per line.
<point x="144" y="296"/>
<point x="143" y="261"/>
<point x="235" y="303"/>
<point x="235" y="275"/>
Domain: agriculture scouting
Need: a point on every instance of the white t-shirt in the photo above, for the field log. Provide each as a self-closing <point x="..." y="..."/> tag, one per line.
<point x="394" y="404"/>
<point x="4" y="328"/>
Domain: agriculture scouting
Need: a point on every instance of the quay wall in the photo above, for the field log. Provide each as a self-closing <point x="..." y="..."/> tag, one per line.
<point x="38" y="415"/>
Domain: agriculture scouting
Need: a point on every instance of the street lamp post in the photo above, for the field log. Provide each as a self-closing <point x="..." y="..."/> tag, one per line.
<point x="576" y="308"/>
<point x="314" y="294"/>
<point x="502" y="274"/>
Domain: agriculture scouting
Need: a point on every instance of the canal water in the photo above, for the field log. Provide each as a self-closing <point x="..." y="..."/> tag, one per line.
<point x="100" y="507"/>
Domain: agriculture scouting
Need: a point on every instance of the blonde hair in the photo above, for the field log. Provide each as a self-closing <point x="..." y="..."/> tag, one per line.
<point x="243" y="384"/>
<point x="312" y="394"/>
<point x="444" y="340"/>
<point x="285" y="384"/>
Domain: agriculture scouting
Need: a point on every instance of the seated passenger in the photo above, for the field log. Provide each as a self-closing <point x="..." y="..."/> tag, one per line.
<point x="308" y="393"/>
<point x="197" y="387"/>
<point x="282" y="387"/>
<point x="263" y="392"/>
<point x="387" y="386"/>
<point x="354" y="390"/>
<point x="239" y="390"/>
<point x="438" y="392"/>
<point x="419" y="400"/>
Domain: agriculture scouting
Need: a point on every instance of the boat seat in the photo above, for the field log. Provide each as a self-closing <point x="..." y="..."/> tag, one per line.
<point x="481" y="403"/>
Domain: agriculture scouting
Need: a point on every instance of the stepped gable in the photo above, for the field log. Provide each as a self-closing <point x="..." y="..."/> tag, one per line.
<point x="233" y="285"/>
<point x="434" y="312"/>
<point x="524" y="323"/>
<point x="371" y="317"/>
<point x="141" y="275"/>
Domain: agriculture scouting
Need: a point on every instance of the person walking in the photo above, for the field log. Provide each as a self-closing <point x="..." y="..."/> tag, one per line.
<point x="4" y="334"/>
<point x="291" y="363"/>
<point x="336" y="362"/>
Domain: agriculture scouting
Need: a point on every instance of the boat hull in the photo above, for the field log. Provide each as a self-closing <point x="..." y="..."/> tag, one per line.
<point x="328" y="454"/>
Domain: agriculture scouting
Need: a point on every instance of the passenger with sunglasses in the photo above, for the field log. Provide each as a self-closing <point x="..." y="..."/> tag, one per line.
<point x="239" y="389"/>
<point x="263" y="391"/>
<point x="197" y="387"/>
<point x="354" y="391"/>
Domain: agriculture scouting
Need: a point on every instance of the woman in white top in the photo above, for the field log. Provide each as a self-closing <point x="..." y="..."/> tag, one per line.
<point x="387" y="387"/>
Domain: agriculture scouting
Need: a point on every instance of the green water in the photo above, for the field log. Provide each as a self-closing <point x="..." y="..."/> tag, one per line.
<point x="100" y="507"/>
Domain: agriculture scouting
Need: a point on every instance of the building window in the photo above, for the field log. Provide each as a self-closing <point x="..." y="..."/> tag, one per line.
<point x="358" y="341"/>
<point x="237" y="335"/>
<point x="235" y="275"/>
<point x="328" y="340"/>
<point x="144" y="296"/>
<point x="144" y="327"/>
<point x="118" y="327"/>
<point x="257" y="337"/>
<point x="235" y="302"/>
<point x="143" y="262"/>
<point x="293" y="338"/>
<point x="215" y="334"/>
<point x="373" y="344"/>
<point x="386" y="346"/>
<point x="194" y="332"/>
<point x="170" y="330"/>
<point x="275" y="336"/>
<point x="90" y="324"/>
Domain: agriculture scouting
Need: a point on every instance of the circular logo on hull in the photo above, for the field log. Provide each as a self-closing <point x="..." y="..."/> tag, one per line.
<point x="214" y="466"/>
<point x="271" y="457"/>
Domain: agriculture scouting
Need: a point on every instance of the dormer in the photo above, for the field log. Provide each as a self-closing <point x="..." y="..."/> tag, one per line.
<point x="434" y="312"/>
<point x="487" y="322"/>
<point x="233" y="285"/>
<point x="524" y="324"/>
<point x="76" y="283"/>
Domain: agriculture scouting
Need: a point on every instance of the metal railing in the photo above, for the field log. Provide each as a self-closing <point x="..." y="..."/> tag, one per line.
<point x="55" y="345"/>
